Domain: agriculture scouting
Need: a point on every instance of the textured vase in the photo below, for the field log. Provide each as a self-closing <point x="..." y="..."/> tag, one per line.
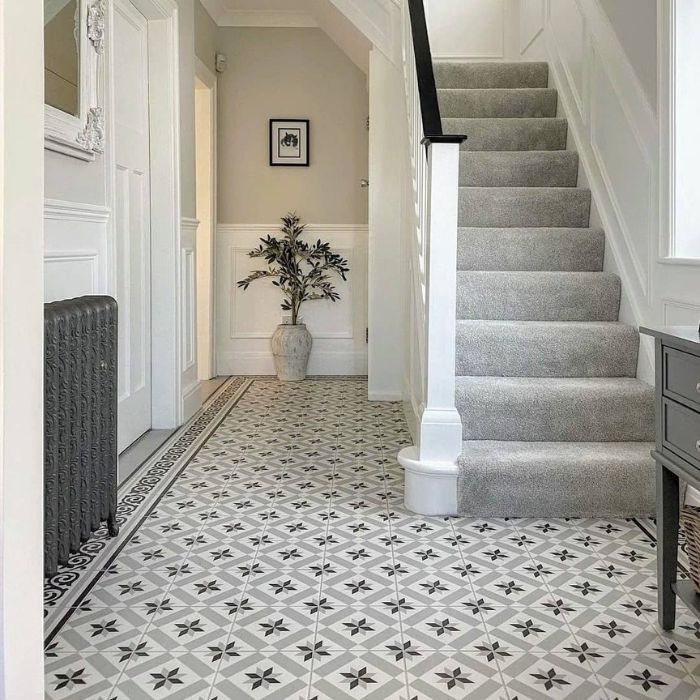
<point x="291" y="346"/>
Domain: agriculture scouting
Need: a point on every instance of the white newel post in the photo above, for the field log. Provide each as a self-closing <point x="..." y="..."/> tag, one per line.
<point x="431" y="465"/>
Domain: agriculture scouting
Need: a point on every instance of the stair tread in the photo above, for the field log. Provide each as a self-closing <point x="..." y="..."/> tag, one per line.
<point x="540" y="207"/>
<point x="497" y="102"/>
<point x="546" y="349"/>
<point x="556" y="479"/>
<point x="509" y="133"/>
<point x="491" y="75"/>
<point x="569" y="409"/>
<point x="537" y="296"/>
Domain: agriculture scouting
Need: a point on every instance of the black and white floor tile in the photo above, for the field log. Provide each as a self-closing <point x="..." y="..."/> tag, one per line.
<point x="265" y="553"/>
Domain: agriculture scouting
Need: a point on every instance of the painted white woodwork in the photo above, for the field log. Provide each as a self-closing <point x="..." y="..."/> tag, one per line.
<point x="82" y="135"/>
<point x="682" y="23"/>
<point x="431" y="228"/>
<point x="76" y="249"/>
<point x="387" y="277"/>
<point x="132" y="221"/>
<point x="206" y="159"/>
<point x="188" y="320"/>
<point x="467" y="30"/>
<point x="246" y="320"/>
<point x="619" y="138"/>
<point x="21" y="350"/>
<point x="378" y="20"/>
<point x="164" y="62"/>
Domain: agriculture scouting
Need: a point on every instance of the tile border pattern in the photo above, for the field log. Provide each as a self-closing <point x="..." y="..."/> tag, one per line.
<point x="141" y="493"/>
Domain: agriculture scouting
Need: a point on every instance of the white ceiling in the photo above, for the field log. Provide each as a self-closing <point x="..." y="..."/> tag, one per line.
<point x="321" y="14"/>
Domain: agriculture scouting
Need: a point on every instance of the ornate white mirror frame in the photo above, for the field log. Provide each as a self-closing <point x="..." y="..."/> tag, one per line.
<point x="82" y="136"/>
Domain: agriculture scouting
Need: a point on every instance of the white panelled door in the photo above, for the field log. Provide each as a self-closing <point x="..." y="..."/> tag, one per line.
<point x="133" y="220"/>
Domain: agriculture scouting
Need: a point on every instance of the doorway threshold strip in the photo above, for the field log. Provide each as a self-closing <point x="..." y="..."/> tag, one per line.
<point x="139" y="495"/>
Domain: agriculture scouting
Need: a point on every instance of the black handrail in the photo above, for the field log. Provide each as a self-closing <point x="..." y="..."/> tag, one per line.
<point x="427" y="90"/>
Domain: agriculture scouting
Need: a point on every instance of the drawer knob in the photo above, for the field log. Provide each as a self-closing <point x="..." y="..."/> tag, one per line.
<point x="697" y="445"/>
<point x="697" y="387"/>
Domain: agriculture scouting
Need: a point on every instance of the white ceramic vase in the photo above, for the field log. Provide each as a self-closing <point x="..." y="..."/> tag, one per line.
<point x="291" y="346"/>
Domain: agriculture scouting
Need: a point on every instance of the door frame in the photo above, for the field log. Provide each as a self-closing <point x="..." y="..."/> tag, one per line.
<point x="21" y="350"/>
<point x="208" y="78"/>
<point x="164" y="121"/>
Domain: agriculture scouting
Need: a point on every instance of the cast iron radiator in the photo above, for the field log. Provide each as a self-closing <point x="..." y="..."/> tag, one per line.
<point x="80" y="424"/>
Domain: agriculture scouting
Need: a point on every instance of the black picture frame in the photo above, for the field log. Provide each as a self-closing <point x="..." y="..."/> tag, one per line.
<point x="298" y="129"/>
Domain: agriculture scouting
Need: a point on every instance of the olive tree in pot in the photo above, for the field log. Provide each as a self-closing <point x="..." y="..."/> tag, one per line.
<point x="302" y="271"/>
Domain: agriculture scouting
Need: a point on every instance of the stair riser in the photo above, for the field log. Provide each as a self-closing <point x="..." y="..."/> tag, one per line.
<point x="530" y="296"/>
<point x="531" y="249"/>
<point x="509" y="134"/>
<point x="491" y="75"/>
<point x="546" y="350"/>
<point x="518" y="169"/>
<point x="498" y="103"/>
<point x="520" y="411"/>
<point x="523" y="207"/>
<point x="606" y="486"/>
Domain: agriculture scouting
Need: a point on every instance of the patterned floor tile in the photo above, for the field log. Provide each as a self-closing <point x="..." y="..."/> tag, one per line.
<point x="273" y="676"/>
<point x="275" y="559"/>
<point x="360" y="627"/>
<point x="437" y="628"/>
<point x="273" y="629"/>
<point x="614" y="630"/>
<point x="187" y="629"/>
<point x="172" y="675"/>
<point x="645" y="676"/>
<point x="367" y="674"/>
<point x="523" y="629"/>
<point x="440" y="675"/>
<point x="103" y="629"/>
<point x="88" y="676"/>
<point x="535" y="676"/>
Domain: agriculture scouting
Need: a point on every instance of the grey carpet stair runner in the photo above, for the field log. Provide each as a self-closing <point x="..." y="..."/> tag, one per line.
<point x="554" y="421"/>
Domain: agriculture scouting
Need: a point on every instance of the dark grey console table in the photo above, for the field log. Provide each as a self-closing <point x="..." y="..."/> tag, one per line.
<point x="677" y="454"/>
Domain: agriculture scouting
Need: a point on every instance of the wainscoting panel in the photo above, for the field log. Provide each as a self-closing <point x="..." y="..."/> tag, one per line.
<point x="462" y="30"/>
<point x="75" y="249"/>
<point x="680" y="313"/>
<point x="531" y="18"/>
<point x="191" y="399"/>
<point x="246" y="320"/>
<point x="616" y="132"/>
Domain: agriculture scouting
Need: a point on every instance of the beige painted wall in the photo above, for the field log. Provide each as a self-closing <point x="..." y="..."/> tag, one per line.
<point x="634" y="22"/>
<point x="290" y="73"/>
<point x="205" y="30"/>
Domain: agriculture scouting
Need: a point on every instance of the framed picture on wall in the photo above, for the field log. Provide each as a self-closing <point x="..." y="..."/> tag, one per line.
<point x="289" y="142"/>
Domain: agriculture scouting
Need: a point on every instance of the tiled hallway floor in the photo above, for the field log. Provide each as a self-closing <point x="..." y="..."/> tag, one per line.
<point x="268" y="554"/>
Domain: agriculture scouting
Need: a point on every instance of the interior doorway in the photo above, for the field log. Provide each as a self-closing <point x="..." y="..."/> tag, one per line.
<point x="205" y="144"/>
<point x="132" y="212"/>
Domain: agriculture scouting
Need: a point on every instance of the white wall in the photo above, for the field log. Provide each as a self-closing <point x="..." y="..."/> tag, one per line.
<point x="634" y="23"/>
<point x="479" y="30"/>
<point x="290" y="73"/>
<point x="387" y="278"/>
<point x="21" y="351"/>
<point x="617" y="133"/>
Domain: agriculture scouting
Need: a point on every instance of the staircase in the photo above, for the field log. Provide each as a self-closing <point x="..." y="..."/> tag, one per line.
<point x="554" y="421"/>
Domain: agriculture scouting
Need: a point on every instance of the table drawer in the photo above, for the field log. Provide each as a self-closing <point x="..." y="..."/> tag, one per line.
<point x="681" y="431"/>
<point x="682" y="377"/>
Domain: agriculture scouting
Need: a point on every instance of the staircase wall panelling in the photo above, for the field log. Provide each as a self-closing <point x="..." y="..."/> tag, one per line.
<point x="616" y="132"/>
<point x="247" y="319"/>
